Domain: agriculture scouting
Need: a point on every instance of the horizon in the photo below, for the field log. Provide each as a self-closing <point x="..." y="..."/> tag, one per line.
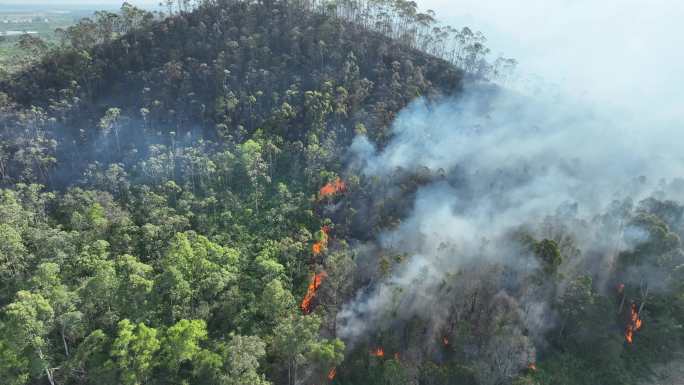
<point x="579" y="48"/>
<point x="74" y="4"/>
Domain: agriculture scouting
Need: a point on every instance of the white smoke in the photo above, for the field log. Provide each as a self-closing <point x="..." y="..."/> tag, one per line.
<point x="508" y="161"/>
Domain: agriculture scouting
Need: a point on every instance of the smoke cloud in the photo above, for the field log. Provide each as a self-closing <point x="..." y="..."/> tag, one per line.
<point x="503" y="162"/>
<point x="590" y="127"/>
<point x="615" y="53"/>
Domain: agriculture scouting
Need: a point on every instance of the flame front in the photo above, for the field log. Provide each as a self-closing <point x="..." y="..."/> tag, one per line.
<point x="532" y="366"/>
<point x="332" y="188"/>
<point x="307" y="302"/>
<point x="378" y="352"/>
<point x="332" y="373"/>
<point x="635" y="324"/>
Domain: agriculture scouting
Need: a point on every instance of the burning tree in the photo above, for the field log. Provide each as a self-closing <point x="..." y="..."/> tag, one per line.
<point x="378" y="352"/>
<point x="634" y="321"/>
<point x="322" y="241"/>
<point x="634" y="325"/>
<point x="307" y="302"/>
<point x="332" y="188"/>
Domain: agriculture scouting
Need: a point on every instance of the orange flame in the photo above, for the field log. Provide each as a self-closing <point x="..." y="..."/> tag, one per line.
<point x="629" y="335"/>
<point x="307" y="302"/>
<point x="635" y="317"/>
<point x="445" y="341"/>
<point x="321" y="244"/>
<point x="532" y="366"/>
<point x="635" y="324"/>
<point x="332" y="373"/>
<point x="378" y="352"/>
<point x="316" y="248"/>
<point x="332" y="188"/>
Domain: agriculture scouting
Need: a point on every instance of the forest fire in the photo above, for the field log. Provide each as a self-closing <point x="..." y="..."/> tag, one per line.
<point x="319" y="246"/>
<point x="316" y="282"/>
<point x="316" y="248"/>
<point x="332" y="188"/>
<point x="635" y="324"/>
<point x="445" y="341"/>
<point x="378" y="352"/>
<point x="635" y="317"/>
<point x="532" y="366"/>
<point x="629" y="335"/>
<point x="332" y="373"/>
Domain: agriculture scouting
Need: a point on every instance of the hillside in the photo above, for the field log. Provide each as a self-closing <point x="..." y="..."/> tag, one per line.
<point x="209" y="72"/>
<point x="250" y="193"/>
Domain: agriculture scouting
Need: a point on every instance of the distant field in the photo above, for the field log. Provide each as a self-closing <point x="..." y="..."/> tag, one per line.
<point x="41" y="22"/>
<point x="10" y="55"/>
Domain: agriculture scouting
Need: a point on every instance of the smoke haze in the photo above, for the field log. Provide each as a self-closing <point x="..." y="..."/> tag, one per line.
<point x="619" y="54"/>
<point x="596" y="119"/>
<point x="546" y="162"/>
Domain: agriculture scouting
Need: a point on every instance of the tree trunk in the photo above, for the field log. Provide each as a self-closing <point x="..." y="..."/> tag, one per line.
<point x="622" y="303"/>
<point x="47" y="369"/>
<point x="66" y="347"/>
<point x="49" y="374"/>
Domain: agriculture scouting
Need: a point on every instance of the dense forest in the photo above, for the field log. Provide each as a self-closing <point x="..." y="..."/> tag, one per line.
<point x="184" y="200"/>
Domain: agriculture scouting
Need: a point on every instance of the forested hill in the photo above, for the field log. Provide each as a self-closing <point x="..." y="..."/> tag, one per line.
<point x="221" y="72"/>
<point x="183" y="200"/>
<point x="161" y="181"/>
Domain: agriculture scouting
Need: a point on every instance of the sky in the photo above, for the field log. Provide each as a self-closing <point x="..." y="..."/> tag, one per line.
<point x="620" y="53"/>
<point x="81" y="2"/>
<point x="77" y="3"/>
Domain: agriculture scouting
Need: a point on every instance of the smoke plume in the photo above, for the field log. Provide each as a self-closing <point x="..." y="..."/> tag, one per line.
<point x="502" y="163"/>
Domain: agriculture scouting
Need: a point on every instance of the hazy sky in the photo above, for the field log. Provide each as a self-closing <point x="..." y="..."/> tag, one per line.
<point x="80" y="2"/>
<point x="85" y="3"/>
<point x="625" y="53"/>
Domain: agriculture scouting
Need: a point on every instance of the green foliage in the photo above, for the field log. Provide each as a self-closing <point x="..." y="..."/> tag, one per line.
<point x="549" y="255"/>
<point x="12" y="254"/>
<point x="181" y="345"/>
<point x="242" y="355"/>
<point x="14" y="368"/>
<point x="133" y="352"/>
<point x="26" y="325"/>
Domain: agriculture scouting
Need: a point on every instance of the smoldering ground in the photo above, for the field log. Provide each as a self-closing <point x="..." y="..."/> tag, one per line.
<point x="506" y="164"/>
